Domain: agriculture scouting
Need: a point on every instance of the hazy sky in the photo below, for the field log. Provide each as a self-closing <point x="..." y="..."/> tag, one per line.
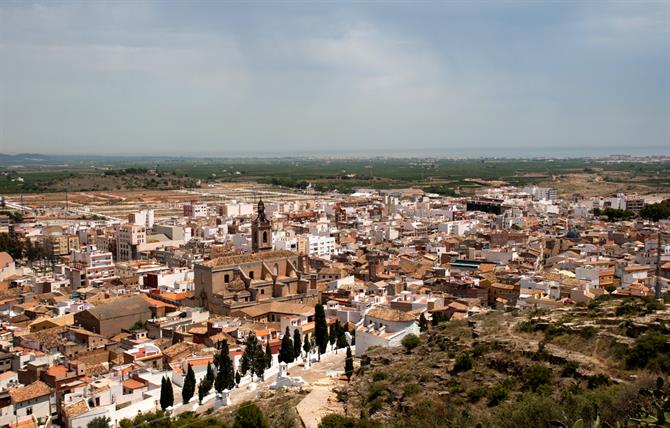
<point x="448" y="78"/>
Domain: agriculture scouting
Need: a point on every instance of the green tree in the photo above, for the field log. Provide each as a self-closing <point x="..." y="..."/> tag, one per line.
<point x="252" y="349"/>
<point x="656" y="212"/>
<point x="260" y="363"/>
<point x="320" y="328"/>
<point x="167" y="393"/>
<point x="99" y="422"/>
<point x="410" y="342"/>
<point x="286" y="350"/>
<point x="349" y="364"/>
<point x="238" y="378"/>
<point x="248" y="415"/>
<point x="189" y="385"/>
<point x="225" y="377"/>
<point x="297" y="343"/>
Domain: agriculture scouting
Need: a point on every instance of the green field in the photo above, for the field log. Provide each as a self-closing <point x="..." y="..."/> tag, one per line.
<point x="439" y="175"/>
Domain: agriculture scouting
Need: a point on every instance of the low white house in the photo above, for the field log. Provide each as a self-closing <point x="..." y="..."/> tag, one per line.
<point x="384" y="327"/>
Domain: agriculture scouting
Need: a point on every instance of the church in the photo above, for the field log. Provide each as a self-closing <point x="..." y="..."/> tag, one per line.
<point x="237" y="281"/>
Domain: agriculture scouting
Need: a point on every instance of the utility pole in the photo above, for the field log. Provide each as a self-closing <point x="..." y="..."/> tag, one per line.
<point x="658" y="265"/>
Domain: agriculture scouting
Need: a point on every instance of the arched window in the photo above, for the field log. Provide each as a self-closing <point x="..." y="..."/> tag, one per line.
<point x="265" y="236"/>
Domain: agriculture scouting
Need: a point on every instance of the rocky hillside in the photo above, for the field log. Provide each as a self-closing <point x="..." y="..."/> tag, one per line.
<point x="532" y="369"/>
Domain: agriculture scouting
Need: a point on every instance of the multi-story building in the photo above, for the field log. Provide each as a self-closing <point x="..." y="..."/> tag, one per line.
<point x="195" y="209"/>
<point x="90" y="266"/>
<point x="142" y="218"/>
<point x="129" y="241"/>
<point x="61" y="245"/>
<point x="320" y="246"/>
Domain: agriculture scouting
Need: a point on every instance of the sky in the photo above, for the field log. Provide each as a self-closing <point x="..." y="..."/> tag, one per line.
<point x="449" y="78"/>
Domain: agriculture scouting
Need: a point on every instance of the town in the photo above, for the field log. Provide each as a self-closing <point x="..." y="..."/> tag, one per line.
<point x="202" y="300"/>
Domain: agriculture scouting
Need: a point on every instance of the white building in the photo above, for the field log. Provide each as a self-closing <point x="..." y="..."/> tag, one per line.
<point x="90" y="266"/>
<point x="320" y="246"/>
<point x="142" y="218"/>
<point x="195" y="209"/>
<point x="384" y="327"/>
<point x="129" y="240"/>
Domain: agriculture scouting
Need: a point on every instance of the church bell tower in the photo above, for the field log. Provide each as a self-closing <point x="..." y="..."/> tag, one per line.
<point x="261" y="231"/>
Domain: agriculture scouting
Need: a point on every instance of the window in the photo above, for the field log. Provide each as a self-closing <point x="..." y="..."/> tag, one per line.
<point x="262" y="290"/>
<point x="226" y="278"/>
<point x="29" y="410"/>
<point x="265" y="236"/>
<point x="251" y="274"/>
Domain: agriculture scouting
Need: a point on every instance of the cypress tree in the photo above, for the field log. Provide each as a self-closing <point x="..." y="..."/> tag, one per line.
<point x="297" y="345"/>
<point x="332" y="335"/>
<point x="238" y="378"/>
<point x="268" y="354"/>
<point x="349" y="364"/>
<point x="259" y="363"/>
<point x="307" y="344"/>
<point x="203" y="389"/>
<point x="286" y="350"/>
<point x="341" y="338"/>
<point x="189" y="385"/>
<point x="210" y="374"/>
<point x="167" y="394"/>
<point x="423" y="322"/>
<point x="225" y="376"/>
<point x="250" y="352"/>
<point x="320" y="328"/>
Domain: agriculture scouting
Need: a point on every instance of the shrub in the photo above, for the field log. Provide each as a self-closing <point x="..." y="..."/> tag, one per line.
<point x="248" y="415"/>
<point x="379" y="375"/>
<point x="651" y="351"/>
<point x="337" y="421"/>
<point x="597" y="381"/>
<point x="463" y="363"/>
<point x="553" y="331"/>
<point x="526" y="326"/>
<point x="498" y="393"/>
<point x="588" y="332"/>
<point x="569" y="369"/>
<point x="410" y="342"/>
<point x="376" y="390"/>
<point x="532" y="410"/>
<point x="411" y="389"/>
<point x="476" y="394"/>
<point x="537" y="376"/>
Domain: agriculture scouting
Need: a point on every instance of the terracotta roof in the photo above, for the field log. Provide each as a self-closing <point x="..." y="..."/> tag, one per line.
<point x="236" y="259"/>
<point x="133" y="384"/>
<point x="288" y="308"/>
<point x="390" y="315"/>
<point x="5" y="259"/>
<point x="34" y="390"/>
<point x="76" y="409"/>
<point x="123" y="306"/>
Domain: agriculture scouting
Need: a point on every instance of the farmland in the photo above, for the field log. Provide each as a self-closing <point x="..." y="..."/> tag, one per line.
<point x="446" y="176"/>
